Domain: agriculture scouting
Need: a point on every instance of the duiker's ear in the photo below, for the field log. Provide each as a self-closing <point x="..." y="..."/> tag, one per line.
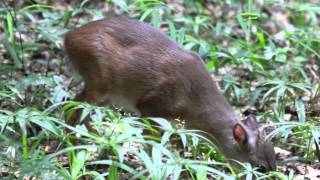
<point x="240" y="134"/>
<point x="251" y="123"/>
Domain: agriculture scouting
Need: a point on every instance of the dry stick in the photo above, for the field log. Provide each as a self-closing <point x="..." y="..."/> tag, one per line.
<point x="314" y="74"/>
<point x="6" y="6"/>
<point x="317" y="152"/>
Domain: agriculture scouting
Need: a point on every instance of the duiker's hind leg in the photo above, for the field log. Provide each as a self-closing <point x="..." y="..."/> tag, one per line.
<point x="89" y="96"/>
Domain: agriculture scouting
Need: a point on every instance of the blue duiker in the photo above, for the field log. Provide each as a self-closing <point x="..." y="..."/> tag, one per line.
<point x="136" y="66"/>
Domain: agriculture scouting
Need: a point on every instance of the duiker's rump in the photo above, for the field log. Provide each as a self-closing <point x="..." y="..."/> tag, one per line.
<point x="135" y="66"/>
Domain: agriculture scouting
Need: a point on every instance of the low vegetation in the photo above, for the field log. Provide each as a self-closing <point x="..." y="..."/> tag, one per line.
<point x="264" y="54"/>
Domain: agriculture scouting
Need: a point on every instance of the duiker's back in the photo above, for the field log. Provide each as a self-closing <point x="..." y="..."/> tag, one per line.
<point x="124" y="59"/>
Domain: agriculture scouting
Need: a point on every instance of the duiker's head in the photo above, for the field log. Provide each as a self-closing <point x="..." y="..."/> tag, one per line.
<point x="252" y="146"/>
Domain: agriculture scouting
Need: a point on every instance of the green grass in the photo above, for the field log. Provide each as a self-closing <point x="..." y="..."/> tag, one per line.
<point x="275" y="75"/>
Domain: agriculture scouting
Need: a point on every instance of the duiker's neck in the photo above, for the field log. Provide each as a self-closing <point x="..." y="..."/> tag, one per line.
<point x="218" y="119"/>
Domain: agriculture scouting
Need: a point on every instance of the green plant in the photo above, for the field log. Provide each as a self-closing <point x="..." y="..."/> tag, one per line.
<point x="267" y="65"/>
